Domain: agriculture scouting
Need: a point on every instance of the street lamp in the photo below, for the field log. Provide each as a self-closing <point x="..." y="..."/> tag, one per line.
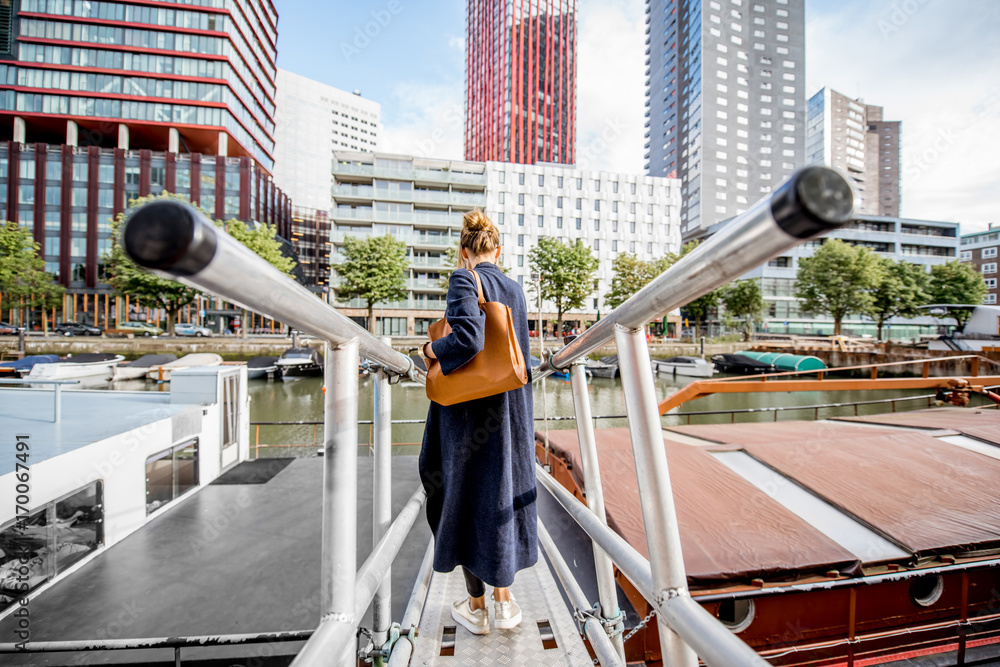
<point x="537" y="278"/>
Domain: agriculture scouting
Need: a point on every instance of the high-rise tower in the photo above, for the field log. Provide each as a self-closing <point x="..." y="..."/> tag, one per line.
<point x="520" y="89"/>
<point x="725" y="101"/>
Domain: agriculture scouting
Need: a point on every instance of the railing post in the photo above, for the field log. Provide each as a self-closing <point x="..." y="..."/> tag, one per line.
<point x="659" y="515"/>
<point x="340" y="481"/>
<point x="382" y="499"/>
<point x="606" y="589"/>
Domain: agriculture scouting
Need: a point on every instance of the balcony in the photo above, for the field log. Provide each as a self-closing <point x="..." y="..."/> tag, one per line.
<point x="441" y="176"/>
<point x="448" y="198"/>
<point x="412" y="304"/>
<point x="430" y="262"/>
<point x="425" y="285"/>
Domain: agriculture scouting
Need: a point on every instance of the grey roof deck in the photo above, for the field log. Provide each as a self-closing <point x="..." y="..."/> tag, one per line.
<point x="87" y="417"/>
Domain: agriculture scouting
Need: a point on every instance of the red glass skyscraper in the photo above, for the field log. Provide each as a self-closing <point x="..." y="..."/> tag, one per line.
<point x="520" y="92"/>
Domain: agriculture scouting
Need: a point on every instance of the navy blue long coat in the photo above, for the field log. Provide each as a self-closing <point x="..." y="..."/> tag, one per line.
<point x="477" y="461"/>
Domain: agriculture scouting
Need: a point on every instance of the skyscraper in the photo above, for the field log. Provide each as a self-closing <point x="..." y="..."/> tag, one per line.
<point x="520" y="88"/>
<point x="725" y="101"/>
<point x="852" y="136"/>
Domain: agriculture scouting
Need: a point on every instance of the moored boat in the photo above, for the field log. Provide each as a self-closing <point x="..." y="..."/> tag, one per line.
<point x="261" y="368"/>
<point x="606" y="367"/>
<point x="161" y="372"/>
<point x="133" y="370"/>
<point x="12" y="369"/>
<point x="298" y="362"/>
<point x="741" y="365"/>
<point x="76" y="366"/>
<point x="786" y="362"/>
<point x="688" y="366"/>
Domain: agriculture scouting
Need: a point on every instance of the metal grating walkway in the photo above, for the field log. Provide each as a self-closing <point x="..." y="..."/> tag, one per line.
<point x="538" y="595"/>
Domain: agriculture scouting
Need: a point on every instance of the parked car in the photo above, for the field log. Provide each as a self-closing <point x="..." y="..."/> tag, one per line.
<point x="191" y="330"/>
<point x="7" y="328"/>
<point x="77" y="329"/>
<point x="139" y="328"/>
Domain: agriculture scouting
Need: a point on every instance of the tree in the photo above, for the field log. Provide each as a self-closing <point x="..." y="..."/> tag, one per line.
<point x="698" y="309"/>
<point x="567" y="273"/>
<point x="837" y="280"/>
<point x="901" y="288"/>
<point x="22" y="272"/>
<point x="957" y="283"/>
<point x="631" y="274"/>
<point x="745" y="301"/>
<point x="373" y="269"/>
<point x="451" y="265"/>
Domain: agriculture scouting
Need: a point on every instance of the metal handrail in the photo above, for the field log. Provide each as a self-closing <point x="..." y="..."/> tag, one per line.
<point x="175" y="240"/>
<point x="813" y="201"/>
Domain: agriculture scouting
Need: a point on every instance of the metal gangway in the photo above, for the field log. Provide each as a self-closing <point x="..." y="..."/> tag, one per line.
<point x="173" y="239"/>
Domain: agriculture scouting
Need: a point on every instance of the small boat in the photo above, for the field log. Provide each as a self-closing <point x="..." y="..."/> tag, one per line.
<point x="134" y="370"/>
<point x="76" y="366"/>
<point x="689" y="366"/>
<point x="11" y="369"/>
<point x="161" y="372"/>
<point x="739" y="364"/>
<point x="262" y="368"/>
<point x="297" y="362"/>
<point x="786" y="362"/>
<point x="606" y="367"/>
<point x="562" y="375"/>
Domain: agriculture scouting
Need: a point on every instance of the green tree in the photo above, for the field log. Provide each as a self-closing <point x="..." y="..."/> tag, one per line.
<point x="900" y="290"/>
<point x="22" y="273"/>
<point x="373" y="269"/>
<point x="745" y="302"/>
<point x="700" y="308"/>
<point x="956" y="283"/>
<point x="567" y="273"/>
<point x="451" y="265"/>
<point x="837" y="280"/>
<point x="631" y="274"/>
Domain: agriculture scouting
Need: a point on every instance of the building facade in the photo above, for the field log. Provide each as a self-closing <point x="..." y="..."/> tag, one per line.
<point x="725" y="101"/>
<point x="922" y="242"/>
<point x="852" y="136"/>
<point x="422" y="201"/>
<point x="314" y="120"/>
<point x="980" y="250"/>
<point x="68" y="195"/>
<point x="178" y="77"/>
<point x="520" y="88"/>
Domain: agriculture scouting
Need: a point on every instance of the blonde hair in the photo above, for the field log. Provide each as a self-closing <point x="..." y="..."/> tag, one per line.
<point x="479" y="235"/>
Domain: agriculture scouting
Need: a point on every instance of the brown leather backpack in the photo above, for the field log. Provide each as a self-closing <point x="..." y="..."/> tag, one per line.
<point x="499" y="367"/>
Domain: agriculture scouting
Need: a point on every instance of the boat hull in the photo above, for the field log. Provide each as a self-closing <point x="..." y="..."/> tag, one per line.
<point x="705" y="370"/>
<point x="261" y="373"/>
<point x="296" y="371"/>
<point x="70" y="371"/>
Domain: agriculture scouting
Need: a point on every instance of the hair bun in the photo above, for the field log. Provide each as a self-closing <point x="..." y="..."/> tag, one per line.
<point x="476" y="221"/>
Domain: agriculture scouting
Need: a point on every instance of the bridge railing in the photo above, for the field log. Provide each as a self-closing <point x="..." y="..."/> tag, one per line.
<point x="173" y="239"/>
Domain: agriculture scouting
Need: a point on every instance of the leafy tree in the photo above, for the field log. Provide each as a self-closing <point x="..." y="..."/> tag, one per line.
<point x="957" y="283"/>
<point x="631" y="274"/>
<point x="745" y="301"/>
<point x="22" y="272"/>
<point x="567" y="271"/>
<point x="901" y="288"/>
<point x="451" y="265"/>
<point x="374" y="269"/>
<point x="700" y="308"/>
<point x="838" y="279"/>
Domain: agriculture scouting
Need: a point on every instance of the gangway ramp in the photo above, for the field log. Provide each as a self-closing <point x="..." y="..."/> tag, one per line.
<point x="541" y="603"/>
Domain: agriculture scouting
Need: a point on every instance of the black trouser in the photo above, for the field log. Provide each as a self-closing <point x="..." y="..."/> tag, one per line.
<point x="473" y="584"/>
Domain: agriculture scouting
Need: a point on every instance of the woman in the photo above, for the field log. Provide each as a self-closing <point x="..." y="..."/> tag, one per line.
<point x="477" y="461"/>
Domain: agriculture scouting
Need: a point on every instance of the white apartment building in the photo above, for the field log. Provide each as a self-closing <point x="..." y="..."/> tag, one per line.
<point x="312" y="121"/>
<point x="421" y="201"/>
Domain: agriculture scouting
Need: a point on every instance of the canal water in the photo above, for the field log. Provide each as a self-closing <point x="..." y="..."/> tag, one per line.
<point x="302" y="401"/>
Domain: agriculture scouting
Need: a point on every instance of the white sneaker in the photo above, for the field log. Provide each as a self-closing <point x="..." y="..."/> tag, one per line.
<point x="476" y="621"/>
<point x="506" y="615"/>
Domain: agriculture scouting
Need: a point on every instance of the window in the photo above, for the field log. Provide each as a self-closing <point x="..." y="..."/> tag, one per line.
<point x="597" y="204"/>
<point x="46" y="551"/>
<point x="174" y="472"/>
<point x="499" y="220"/>
<point x="559" y="222"/>
<point x="579" y="184"/>
<point x="559" y="202"/>
<point x="991" y="283"/>
<point x="541" y="221"/>
<point x="781" y="262"/>
<point x="965" y="255"/>
<point x="541" y="200"/>
<point x="990" y="299"/>
<point x="500" y="197"/>
<point x="597" y="186"/>
<point x="520" y="219"/>
<point x="520" y="179"/>
<point x="987" y="268"/>
<point x="632" y="208"/>
<point x="633" y="190"/>
<point x="614" y="207"/>
<point x="559" y="181"/>
<point x="989" y="253"/>
<point x="579" y="203"/>
<point x="597" y="244"/>
<point x="541" y="180"/>
<point x="597" y="225"/>
<point x="614" y="187"/>
<point x="520" y="199"/>
<point x="520" y="240"/>
<point x="503" y="176"/>
<point x="520" y="260"/>
<point x="579" y="223"/>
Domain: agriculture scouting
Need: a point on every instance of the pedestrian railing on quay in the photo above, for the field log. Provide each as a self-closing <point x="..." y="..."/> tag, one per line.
<point x="174" y="240"/>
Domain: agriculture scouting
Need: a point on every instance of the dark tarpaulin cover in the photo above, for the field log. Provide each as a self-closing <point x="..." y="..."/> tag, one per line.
<point x="730" y="531"/>
<point x="928" y="495"/>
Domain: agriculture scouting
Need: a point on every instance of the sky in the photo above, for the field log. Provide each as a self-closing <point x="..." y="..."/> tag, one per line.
<point x="932" y="64"/>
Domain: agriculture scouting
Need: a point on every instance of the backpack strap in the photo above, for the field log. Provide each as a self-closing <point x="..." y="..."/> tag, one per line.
<point x="479" y="284"/>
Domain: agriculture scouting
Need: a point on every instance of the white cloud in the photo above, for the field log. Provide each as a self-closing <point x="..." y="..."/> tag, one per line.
<point x="426" y="120"/>
<point x="611" y="85"/>
<point x="931" y="65"/>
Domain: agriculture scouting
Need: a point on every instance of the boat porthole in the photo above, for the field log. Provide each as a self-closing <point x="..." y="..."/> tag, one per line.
<point x="737" y="615"/>
<point x="925" y="591"/>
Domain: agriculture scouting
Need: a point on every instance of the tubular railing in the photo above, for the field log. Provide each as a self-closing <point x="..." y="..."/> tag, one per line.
<point x="173" y="239"/>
